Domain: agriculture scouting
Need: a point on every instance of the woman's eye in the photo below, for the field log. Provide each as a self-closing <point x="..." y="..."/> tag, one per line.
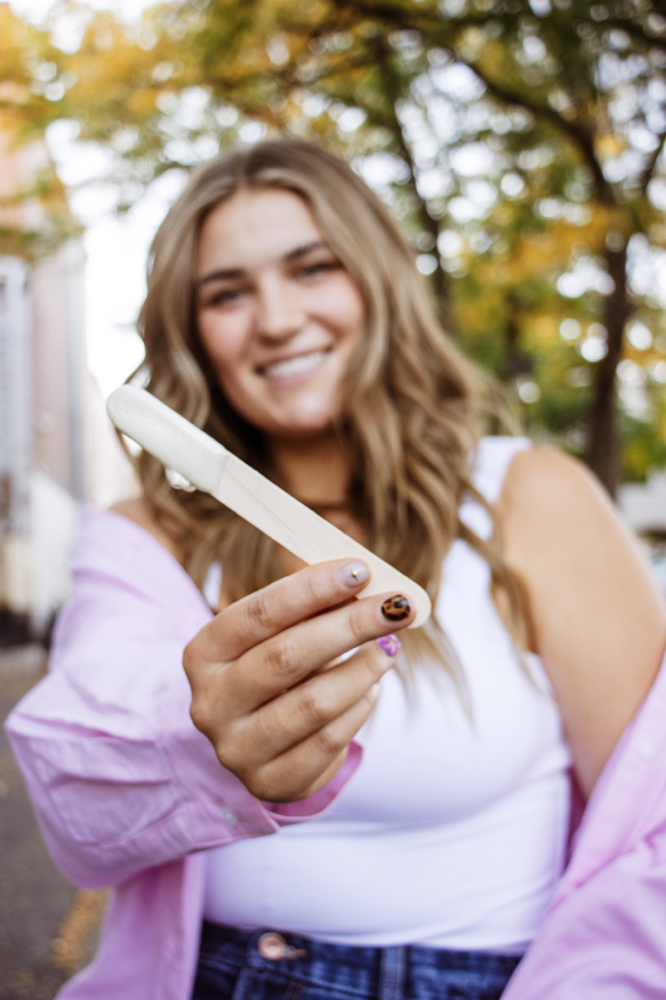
<point x="321" y="266"/>
<point x="225" y="297"/>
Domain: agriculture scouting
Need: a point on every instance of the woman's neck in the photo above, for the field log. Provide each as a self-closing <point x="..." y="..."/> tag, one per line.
<point x="316" y="470"/>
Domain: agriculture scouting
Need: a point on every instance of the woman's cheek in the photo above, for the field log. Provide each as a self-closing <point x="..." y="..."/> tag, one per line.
<point x="341" y="307"/>
<point x="222" y="337"/>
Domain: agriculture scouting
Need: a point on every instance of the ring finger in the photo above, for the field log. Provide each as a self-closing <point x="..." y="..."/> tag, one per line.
<point x="310" y="706"/>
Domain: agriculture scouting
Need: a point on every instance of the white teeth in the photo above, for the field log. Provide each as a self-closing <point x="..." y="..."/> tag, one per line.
<point x="294" y="366"/>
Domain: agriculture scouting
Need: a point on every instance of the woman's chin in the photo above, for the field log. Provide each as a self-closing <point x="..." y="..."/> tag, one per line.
<point x="302" y="429"/>
<point x="314" y="416"/>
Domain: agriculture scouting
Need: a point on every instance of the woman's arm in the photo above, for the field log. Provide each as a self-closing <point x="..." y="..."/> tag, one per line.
<point x="261" y="691"/>
<point x="596" y="614"/>
<point x="120" y="777"/>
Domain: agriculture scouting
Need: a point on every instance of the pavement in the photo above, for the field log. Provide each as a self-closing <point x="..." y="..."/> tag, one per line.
<point x="48" y="927"/>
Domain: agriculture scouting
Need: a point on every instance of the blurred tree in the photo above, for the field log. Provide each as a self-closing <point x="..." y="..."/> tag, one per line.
<point x="520" y="142"/>
<point x="34" y="216"/>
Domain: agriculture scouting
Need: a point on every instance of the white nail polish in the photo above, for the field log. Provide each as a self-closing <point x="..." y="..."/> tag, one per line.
<point x="354" y="574"/>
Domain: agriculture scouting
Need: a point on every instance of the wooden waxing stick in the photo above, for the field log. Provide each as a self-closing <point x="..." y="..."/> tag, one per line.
<point x="210" y="467"/>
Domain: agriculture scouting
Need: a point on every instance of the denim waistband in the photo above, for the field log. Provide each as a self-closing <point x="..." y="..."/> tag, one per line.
<point x="368" y="973"/>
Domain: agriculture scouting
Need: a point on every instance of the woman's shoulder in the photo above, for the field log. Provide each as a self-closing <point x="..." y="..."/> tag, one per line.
<point x="117" y="556"/>
<point x="138" y="510"/>
<point x="535" y="467"/>
<point x="550" y="491"/>
<point x="552" y="508"/>
<point x="595" y="611"/>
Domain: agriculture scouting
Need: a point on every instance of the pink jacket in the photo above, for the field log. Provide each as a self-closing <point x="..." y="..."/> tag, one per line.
<point x="129" y="794"/>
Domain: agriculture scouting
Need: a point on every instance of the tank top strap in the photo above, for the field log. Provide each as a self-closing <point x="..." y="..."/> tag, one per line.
<point x="489" y="468"/>
<point x="491" y="464"/>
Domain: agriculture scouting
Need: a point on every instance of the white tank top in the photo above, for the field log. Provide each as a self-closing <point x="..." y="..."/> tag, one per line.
<point x="452" y="831"/>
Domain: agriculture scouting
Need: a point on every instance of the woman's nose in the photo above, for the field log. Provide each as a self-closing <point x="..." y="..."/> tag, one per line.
<point x="279" y="314"/>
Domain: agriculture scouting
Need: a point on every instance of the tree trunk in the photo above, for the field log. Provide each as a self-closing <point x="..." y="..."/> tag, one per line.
<point x="516" y="362"/>
<point x="603" y="452"/>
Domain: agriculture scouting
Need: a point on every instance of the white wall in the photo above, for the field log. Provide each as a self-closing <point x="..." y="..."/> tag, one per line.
<point x="644" y="505"/>
<point x="54" y="518"/>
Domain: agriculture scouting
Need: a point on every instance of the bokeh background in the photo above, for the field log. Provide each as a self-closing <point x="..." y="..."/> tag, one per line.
<point x="521" y="144"/>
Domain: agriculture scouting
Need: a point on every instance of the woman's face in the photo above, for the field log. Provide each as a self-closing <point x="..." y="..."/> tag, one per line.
<point x="278" y="316"/>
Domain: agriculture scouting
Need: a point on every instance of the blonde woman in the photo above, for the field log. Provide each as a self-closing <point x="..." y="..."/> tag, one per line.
<point x="394" y="825"/>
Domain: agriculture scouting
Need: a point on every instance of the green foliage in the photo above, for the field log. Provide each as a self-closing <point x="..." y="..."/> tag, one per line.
<point x="34" y="220"/>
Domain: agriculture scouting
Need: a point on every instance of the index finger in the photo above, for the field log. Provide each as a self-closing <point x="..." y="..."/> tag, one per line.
<point x="272" y="609"/>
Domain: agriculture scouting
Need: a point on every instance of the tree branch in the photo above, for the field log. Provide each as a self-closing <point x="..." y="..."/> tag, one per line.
<point x="416" y="19"/>
<point x="651" y="165"/>
<point x="636" y="32"/>
<point x="392" y="91"/>
<point x="580" y="136"/>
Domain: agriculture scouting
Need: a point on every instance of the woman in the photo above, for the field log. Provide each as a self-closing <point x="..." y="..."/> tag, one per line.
<point x="285" y="315"/>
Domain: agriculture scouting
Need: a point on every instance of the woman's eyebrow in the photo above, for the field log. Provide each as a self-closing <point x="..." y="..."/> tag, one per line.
<point x="303" y="250"/>
<point x="288" y="258"/>
<point x="234" y="272"/>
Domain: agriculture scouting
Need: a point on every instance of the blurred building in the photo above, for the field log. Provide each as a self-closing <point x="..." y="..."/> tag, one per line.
<point x="644" y="505"/>
<point x="57" y="447"/>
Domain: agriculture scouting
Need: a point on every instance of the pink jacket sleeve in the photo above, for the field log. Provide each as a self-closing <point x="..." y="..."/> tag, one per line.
<point x="118" y="774"/>
<point x="604" y="937"/>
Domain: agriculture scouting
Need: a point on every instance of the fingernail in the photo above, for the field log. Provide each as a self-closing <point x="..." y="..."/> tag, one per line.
<point x="396" y="608"/>
<point x="390" y="644"/>
<point x="354" y="574"/>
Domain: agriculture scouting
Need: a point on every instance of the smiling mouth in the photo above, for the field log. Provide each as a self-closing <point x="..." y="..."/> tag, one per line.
<point x="301" y="365"/>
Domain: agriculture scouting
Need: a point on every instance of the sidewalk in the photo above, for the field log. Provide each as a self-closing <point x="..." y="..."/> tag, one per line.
<point x="47" y="926"/>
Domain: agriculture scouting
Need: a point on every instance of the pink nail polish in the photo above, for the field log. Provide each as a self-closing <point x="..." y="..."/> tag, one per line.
<point x="390" y="644"/>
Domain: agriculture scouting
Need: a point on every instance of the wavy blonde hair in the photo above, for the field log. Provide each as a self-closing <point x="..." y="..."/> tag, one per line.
<point x="412" y="400"/>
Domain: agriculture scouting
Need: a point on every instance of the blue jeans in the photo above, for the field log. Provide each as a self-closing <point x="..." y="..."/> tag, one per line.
<point x="238" y="965"/>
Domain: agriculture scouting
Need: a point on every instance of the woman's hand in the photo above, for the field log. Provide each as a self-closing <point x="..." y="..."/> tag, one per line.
<point x="275" y="717"/>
